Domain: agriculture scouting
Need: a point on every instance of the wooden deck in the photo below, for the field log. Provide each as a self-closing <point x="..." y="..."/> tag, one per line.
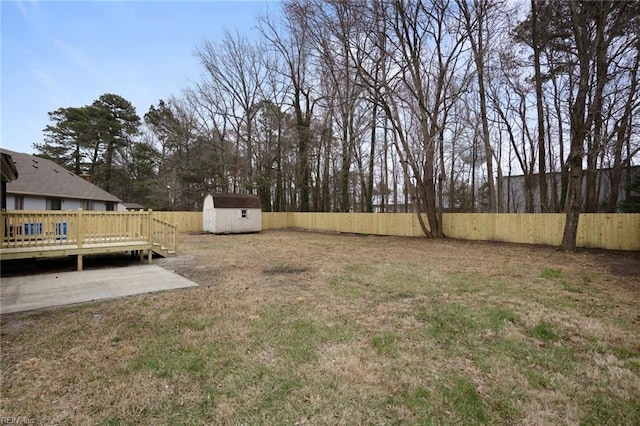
<point x="34" y="234"/>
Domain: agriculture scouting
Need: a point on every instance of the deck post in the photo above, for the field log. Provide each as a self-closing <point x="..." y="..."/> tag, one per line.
<point x="3" y="225"/>
<point x="140" y="231"/>
<point x="150" y="227"/>
<point x="175" y="238"/>
<point x="79" y="237"/>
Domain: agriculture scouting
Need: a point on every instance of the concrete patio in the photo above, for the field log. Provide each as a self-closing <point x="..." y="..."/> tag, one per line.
<point x="25" y="293"/>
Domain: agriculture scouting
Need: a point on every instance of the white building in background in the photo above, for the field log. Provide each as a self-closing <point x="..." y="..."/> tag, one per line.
<point x="515" y="194"/>
<point x="231" y="214"/>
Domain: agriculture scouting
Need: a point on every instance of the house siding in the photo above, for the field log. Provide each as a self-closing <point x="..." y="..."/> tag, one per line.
<point x="40" y="203"/>
<point x="99" y="206"/>
<point x="29" y="203"/>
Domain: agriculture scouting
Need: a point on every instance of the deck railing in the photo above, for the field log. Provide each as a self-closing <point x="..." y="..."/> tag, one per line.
<point x="31" y="228"/>
<point x="34" y="228"/>
<point x="164" y="234"/>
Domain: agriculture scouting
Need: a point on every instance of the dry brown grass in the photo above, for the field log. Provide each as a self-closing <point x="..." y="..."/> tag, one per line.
<point x="298" y="327"/>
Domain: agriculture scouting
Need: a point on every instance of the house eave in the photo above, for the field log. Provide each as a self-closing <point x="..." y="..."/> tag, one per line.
<point x="8" y="166"/>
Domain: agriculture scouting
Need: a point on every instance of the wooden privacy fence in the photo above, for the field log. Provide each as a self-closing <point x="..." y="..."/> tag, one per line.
<point x="183" y="221"/>
<point x="620" y="231"/>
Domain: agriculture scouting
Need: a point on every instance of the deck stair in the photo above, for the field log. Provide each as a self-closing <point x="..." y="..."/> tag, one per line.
<point x="163" y="237"/>
<point x="162" y="250"/>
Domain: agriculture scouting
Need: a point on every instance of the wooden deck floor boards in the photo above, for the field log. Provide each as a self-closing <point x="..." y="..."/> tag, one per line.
<point x="124" y="245"/>
<point x="29" y="252"/>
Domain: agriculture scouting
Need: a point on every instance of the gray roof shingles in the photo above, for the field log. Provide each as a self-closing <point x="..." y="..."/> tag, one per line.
<point x="41" y="177"/>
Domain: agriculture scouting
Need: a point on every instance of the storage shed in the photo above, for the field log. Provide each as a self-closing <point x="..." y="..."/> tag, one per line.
<point x="231" y="214"/>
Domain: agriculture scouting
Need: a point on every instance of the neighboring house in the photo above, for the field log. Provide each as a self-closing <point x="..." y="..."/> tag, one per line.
<point x="123" y="207"/>
<point x="515" y="190"/>
<point x="389" y="207"/>
<point x="231" y="214"/>
<point x="44" y="185"/>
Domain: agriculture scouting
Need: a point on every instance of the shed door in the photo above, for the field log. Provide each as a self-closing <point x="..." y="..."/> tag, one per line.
<point x="208" y="215"/>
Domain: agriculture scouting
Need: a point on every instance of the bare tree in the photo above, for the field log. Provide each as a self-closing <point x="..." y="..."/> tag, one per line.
<point x="593" y="28"/>
<point x="476" y="18"/>
<point x="420" y="45"/>
<point x="236" y="71"/>
<point x="536" y="46"/>
<point x="290" y="39"/>
<point x="623" y="125"/>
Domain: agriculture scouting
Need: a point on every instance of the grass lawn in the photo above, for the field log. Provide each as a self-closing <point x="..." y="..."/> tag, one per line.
<point x="304" y="328"/>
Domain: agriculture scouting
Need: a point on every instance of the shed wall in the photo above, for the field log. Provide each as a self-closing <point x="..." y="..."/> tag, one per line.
<point x="231" y="221"/>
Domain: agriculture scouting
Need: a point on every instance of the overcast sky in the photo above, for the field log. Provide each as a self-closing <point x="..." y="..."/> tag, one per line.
<point x="61" y="54"/>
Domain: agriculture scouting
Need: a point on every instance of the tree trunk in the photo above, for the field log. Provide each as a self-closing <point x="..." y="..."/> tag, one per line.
<point x="326" y="195"/>
<point x="435" y="228"/>
<point x="588" y="49"/>
<point x="579" y="129"/>
<point x="623" y="134"/>
<point x="303" y="126"/>
<point x="109" y="165"/>
<point x="372" y="150"/>
<point x="486" y="139"/>
<point x="574" y="198"/>
<point x="542" y="156"/>
<point x="479" y="12"/>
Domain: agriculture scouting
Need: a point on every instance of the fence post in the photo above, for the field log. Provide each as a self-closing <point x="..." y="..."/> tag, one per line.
<point x="79" y="237"/>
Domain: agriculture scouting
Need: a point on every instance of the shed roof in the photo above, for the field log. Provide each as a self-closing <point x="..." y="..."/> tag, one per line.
<point x="132" y="206"/>
<point x="41" y="177"/>
<point x="235" y="201"/>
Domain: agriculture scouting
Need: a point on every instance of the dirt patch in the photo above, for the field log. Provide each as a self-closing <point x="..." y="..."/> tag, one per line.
<point x="624" y="264"/>
<point x="274" y="270"/>
<point x="183" y="263"/>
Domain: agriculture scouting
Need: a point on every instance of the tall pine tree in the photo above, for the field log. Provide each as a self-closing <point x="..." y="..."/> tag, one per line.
<point x="86" y="139"/>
